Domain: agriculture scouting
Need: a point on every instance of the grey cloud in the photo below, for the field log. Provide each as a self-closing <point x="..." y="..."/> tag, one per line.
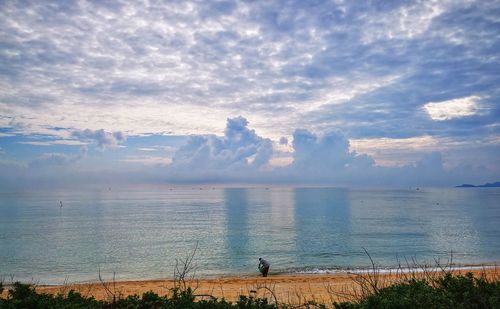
<point x="102" y="138"/>
<point x="202" y="53"/>
<point x="329" y="160"/>
<point x="239" y="149"/>
<point x="453" y="57"/>
<point x="263" y="154"/>
<point x="317" y="159"/>
<point x="312" y="153"/>
<point x="242" y="156"/>
<point x="325" y="159"/>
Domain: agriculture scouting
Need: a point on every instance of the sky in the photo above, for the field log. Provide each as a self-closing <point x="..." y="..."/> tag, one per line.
<point x="341" y="93"/>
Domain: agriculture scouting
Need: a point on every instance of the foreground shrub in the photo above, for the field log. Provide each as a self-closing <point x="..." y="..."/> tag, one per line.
<point x="24" y="296"/>
<point x="446" y="291"/>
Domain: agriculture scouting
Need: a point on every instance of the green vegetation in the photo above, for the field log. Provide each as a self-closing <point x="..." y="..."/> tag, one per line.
<point x="445" y="291"/>
<point x="25" y="296"/>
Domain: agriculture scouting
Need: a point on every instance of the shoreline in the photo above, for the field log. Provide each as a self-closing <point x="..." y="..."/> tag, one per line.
<point x="290" y="288"/>
<point x="279" y="273"/>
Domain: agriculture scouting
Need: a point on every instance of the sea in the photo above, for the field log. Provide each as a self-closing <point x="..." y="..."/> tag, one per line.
<point x="142" y="232"/>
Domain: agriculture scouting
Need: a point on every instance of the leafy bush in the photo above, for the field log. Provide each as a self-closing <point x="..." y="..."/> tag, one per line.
<point x="446" y="291"/>
<point x="25" y="296"/>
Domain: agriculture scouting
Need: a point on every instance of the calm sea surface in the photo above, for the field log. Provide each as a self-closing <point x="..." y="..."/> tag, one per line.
<point x="138" y="233"/>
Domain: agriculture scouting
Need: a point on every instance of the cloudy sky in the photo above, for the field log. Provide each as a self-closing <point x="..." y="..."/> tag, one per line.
<point x="380" y="93"/>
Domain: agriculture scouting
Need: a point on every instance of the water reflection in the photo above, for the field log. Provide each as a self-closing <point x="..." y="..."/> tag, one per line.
<point x="137" y="233"/>
<point x="458" y="234"/>
<point x="280" y="244"/>
<point x="259" y="223"/>
<point x="237" y="238"/>
<point x="322" y="224"/>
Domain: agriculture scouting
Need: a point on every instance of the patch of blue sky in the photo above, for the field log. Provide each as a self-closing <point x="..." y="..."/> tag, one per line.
<point x="21" y="148"/>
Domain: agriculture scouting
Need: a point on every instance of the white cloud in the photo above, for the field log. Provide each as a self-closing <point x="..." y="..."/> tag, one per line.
<point x="404" y="22"/>
<point x="455" y="108"/>
<point x="102" y="138"/>
<point x="157" y="68"/>
<point x="319" y="159"/>
<point x="242" y="156"/>
<point x="325" y="157"/>
<point x="36" y="143"/>
<point x="147" y="149"/>
<point x="239" y="149"/>
<point x="69" y="142"/>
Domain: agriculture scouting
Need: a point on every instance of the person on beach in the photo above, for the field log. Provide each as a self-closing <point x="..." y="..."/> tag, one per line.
<point x="264" y="267"/>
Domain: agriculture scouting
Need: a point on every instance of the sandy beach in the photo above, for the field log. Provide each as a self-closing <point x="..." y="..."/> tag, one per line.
<point x="292" y="288"/>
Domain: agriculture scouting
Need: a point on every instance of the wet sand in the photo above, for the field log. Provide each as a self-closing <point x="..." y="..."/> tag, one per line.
<point x="291" y="289"/>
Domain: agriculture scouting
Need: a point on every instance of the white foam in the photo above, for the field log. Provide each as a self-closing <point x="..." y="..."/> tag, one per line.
<point x="392" y="270"/>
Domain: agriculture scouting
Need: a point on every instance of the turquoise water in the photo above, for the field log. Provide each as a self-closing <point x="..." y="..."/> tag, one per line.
<point x="138" y="233"/>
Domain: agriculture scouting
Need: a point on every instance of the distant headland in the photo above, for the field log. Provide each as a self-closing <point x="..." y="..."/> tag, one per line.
<point x="486" y="185"/>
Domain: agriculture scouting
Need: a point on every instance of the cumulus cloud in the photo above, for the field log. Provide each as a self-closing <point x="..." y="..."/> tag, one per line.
<point x="326" y="158"/>
<point x="101" y="138"/>
<point x="330" y="151"/>
<point x="240" y="155"/>
<point x="239" y="149"/>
